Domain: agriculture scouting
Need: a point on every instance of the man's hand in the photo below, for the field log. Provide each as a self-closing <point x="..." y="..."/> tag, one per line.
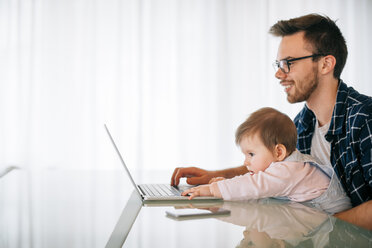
<point x="202" y="190"/>
<point x="194" y="175"/>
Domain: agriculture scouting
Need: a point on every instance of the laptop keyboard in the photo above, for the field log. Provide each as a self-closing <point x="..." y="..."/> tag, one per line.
<point x="159" y="190"/>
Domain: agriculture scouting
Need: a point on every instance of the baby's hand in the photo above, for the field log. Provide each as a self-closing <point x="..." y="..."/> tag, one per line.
<point x="202" y="190"/>
<point x="216" y="179"/>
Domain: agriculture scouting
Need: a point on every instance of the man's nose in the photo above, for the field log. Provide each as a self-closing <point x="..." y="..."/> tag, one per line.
<point x="280" y="74"/>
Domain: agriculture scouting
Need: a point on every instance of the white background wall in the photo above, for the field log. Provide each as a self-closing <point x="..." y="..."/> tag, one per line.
<point x="172" y="79"/>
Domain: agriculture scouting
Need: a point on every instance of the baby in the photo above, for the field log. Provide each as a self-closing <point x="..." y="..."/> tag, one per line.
<point x="276" y="169"/>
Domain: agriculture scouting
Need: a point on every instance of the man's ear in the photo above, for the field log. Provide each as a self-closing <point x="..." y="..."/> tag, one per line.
<point x="327" y="64"/>
<point x="280" y="152"/>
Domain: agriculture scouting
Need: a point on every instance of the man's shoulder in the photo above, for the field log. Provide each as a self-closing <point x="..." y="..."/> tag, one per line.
<point x="360" y="111"/>
<point x="358" y="106"/>
<point x="352" y="97"/>
<point x="355" y="98"/>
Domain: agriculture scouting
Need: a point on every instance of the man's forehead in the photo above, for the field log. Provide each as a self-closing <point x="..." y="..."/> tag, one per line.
<point x="292" y="46"/>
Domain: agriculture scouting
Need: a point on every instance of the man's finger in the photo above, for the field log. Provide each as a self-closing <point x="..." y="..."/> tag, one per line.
<point x="173" y="180"/>
<point x="177" y="174"/>
<point x="182" y="172"/>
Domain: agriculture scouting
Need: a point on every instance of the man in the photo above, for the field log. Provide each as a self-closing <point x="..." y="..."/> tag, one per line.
<point x="335" y="124"/>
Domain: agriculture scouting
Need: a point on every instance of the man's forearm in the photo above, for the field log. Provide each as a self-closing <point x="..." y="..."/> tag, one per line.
<point x="360" y="215"/>
<point x="232" y="172"/>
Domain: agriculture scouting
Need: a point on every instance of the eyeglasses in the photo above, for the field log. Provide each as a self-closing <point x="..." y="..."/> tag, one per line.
<point x="284" y="64"/>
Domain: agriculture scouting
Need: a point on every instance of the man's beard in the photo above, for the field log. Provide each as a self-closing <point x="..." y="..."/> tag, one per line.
<point x="307" y="88"/>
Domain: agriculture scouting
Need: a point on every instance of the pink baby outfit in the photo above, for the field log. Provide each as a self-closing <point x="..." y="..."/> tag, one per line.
<point x="298" y="178"/>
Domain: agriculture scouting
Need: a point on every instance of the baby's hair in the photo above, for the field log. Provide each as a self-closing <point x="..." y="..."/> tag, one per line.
<point x="273" y="128"/>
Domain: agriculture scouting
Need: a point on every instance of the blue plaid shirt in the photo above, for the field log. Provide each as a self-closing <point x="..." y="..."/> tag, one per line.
<point x="350" y="135"/>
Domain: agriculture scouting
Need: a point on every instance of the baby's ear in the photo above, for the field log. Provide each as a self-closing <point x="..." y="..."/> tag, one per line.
<point x="280" y="152"/>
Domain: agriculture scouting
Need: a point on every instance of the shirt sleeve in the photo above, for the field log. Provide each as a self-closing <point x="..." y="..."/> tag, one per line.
<point x="297" y="181"/>
<point x="366" y="151"/>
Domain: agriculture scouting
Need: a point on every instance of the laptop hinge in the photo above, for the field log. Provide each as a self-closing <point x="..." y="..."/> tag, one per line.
<point x="143" y="193"/>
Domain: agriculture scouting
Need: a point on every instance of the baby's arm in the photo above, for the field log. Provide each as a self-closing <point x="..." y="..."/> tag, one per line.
<point x="216" y="179"/>
<point x="203" y="190"/>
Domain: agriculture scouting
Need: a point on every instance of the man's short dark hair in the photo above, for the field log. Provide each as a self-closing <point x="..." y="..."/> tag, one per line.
<point x="320" y="32"/>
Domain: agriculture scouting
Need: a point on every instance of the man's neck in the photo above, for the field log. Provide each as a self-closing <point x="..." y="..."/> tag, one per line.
<point x="323" y="100"/>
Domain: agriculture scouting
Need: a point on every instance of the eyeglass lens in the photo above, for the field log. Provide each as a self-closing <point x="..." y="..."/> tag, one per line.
<point x="282" y="65"/>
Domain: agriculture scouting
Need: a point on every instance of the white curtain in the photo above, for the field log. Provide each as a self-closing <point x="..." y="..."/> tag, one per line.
<point x="171" y="78"/>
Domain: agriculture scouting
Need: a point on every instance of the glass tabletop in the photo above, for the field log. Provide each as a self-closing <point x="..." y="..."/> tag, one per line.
<point x="255" y="223"/>
<point x="58" y="208"/>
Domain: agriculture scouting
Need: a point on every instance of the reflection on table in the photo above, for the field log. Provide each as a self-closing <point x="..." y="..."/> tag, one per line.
<point x="273" y="223"/>
<point x="256" y="223"/>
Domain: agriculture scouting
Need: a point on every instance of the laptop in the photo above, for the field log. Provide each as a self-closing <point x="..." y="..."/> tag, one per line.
<point x="157" y="192"/>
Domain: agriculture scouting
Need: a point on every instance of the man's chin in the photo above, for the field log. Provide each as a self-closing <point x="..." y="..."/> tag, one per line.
<point x="291" y="99"/>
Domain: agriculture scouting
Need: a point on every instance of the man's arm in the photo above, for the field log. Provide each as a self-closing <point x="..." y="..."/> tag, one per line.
<point x="365" y="155"/>
<point x="196" y="175"/>
<point x="233" y="172"/>
<point x="360" y="215"/>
